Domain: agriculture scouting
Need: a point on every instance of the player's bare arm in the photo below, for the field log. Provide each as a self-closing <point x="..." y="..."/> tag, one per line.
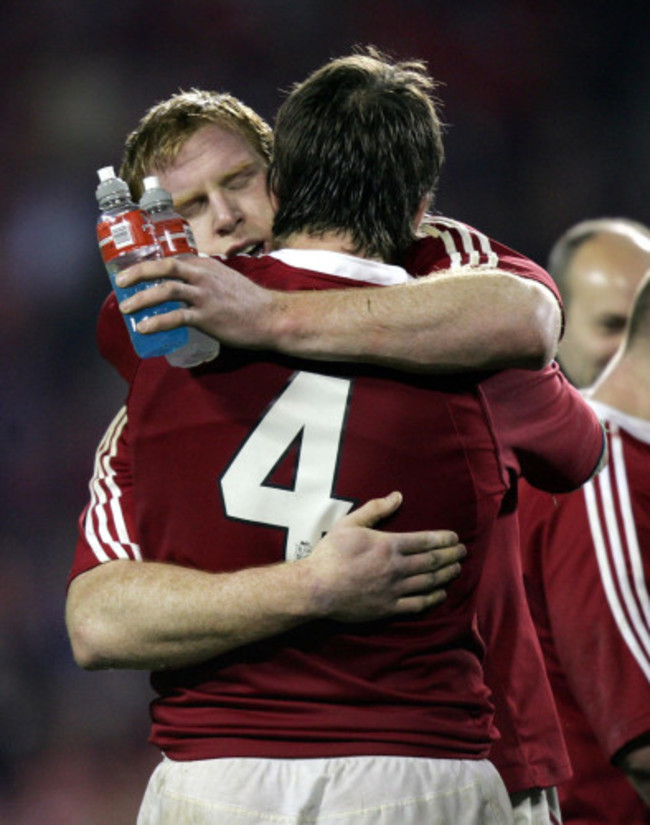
<point x="485" y="319"/>
<point x="153" y="616"/>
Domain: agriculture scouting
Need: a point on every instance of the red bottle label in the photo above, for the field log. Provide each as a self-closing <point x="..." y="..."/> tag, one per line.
<point x="175" y="237"/>
<point x="124" y="233"/>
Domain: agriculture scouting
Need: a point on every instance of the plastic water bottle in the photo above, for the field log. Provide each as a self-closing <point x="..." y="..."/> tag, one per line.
<point x="175" y="237"/>
<point x="126" y="236"/>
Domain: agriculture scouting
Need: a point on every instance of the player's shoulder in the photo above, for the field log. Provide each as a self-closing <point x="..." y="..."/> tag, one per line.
<point x="447" y="243"/>
<point x="459" y="232"/>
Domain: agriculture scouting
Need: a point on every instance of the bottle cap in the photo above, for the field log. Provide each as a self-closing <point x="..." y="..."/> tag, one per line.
<point x="106" y="173"/>
<point x="154" y="194"/>
<point x="110" y="185"/>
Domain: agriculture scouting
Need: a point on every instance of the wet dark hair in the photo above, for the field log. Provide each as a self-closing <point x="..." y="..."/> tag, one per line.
<point x="356" y="148"/>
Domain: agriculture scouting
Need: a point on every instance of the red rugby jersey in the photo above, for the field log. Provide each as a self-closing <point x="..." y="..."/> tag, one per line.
<point x="548" y="434"/>
<point x="450" y="245"/>
<point x="270" y="451"/>
<point x="587" y="566"/>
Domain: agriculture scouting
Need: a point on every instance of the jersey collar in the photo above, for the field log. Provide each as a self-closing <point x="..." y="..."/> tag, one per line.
<point x="343" y="266"/>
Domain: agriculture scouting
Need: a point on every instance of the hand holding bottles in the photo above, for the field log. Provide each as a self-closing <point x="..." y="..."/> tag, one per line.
<point x="126" y="236"/>
<point x="175" y="238"/>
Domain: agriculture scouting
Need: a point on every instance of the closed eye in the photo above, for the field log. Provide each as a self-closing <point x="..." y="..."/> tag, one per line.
<point x="241" y="179"/>
<point x="612" y="324"/>
<point x="191" y="208"/>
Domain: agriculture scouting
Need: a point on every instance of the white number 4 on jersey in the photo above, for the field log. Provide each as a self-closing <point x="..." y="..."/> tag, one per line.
<point x="310" y="411"/>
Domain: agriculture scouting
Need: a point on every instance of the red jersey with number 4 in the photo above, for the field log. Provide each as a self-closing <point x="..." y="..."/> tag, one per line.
<point x="247" y="461"/>
<point x="587" y="565"/>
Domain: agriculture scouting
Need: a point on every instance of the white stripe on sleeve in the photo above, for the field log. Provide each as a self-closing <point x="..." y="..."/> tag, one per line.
<point x="464" y="246"/>
<point x="105" y="508"/>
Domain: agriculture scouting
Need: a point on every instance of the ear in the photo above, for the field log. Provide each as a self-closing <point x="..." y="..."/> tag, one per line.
<point x="425" y="202"/>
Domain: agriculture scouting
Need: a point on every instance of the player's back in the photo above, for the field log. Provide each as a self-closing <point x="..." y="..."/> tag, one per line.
<point x="247" y="461"/>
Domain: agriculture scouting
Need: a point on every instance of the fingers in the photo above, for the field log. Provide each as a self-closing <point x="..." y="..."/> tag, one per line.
<point x="425" y="583"/>
<point x="166" y="320"/>
<point x="442" y="556"/>
<point x="418" y="604"/>
<point x="372" y="511"/>
<point x="416" y="542"/>
<point x="437" y="566"/>
<point x="148" y="271"/>
<point x="425" y="591"/>
<point x="156" y="293"/>
<point x="422" y="582"/>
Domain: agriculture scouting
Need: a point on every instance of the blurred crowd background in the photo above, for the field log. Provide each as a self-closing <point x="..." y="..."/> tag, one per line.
<point x="548" y="113"/>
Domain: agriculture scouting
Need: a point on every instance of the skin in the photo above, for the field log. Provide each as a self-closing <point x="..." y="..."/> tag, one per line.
<point x="219" y="185"/>
<point x="602" y="280"/>
<point x="403" y="326"/>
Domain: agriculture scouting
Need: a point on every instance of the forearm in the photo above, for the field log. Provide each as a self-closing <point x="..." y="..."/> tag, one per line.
<point x="149" y="615"/>
<point x="438" y="324"/>
<point x="447" y="322"/>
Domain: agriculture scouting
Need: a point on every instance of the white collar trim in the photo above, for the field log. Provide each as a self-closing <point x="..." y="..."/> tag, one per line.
<point x="343" y="266"/>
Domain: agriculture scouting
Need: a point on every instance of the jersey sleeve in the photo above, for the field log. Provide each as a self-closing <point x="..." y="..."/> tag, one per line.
<point x="584" y="572"/>
<point x="113" y="339"/>
<point x="547" y="431"/>
<point x="107" y="523"/>
<point x="446" y="244"/>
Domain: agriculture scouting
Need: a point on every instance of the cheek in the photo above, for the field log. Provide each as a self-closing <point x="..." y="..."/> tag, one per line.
<point x="202" y="236"/>
<point x="206" y="240"/>
<point x="258" y="206"/>
<point x="609" y="345"/>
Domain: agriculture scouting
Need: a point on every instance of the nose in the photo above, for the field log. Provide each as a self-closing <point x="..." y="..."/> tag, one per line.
<point x="226" y="214"/>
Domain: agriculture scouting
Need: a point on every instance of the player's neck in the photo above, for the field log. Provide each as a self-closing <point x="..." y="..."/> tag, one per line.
<point x="624" y="385"/>
<point x="330" y="241"/>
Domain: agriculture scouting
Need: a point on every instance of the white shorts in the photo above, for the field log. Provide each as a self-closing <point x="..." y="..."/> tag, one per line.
<point x="360" y="790"/>
<point x="536" y="807"/>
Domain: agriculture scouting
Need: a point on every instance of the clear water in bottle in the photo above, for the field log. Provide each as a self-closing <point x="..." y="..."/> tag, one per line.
<point x="175" y="239"/>
<point x="126" y="236"/>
